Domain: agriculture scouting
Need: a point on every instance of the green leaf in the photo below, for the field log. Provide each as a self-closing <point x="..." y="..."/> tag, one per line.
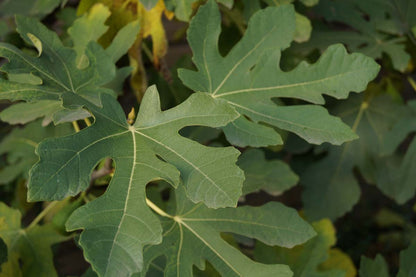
<point x="38" y="8"/>
<point x="90" y="27"/>
<point x="57" y="66"/>
<point x="374" y="268"/>
<point x="20" y="146"/>
<point x="396" y="173"/>
<point x="192" y="236"/>
<point x="149" y="150"/>
<point x="310" y="3"/>
<point x="381" y="33"/>
<point x="28" y="250"/>
<point x="304" y="260"/>
<point x="249" y="77"/>
<point x="22" y="113"/>
<point x="330" y="188"/>
<point x="407" y="261"/>
<point x="273" y="176"/>
<point x="184" y="9"/>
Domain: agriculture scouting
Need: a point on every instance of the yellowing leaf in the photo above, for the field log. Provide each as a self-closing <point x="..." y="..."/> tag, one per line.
<point x="339" y="260"/>
<point x="150" y="21"/>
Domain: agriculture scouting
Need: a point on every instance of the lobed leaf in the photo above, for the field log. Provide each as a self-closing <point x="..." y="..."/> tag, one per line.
<point x="330" y="188"/>
<point x="118" y="224"/>
<point x="192" y="236"/>
<point x="248" y="77"/>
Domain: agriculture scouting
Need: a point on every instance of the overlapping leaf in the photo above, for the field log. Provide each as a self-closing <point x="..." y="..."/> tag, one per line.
<point x="118" y="224"/>
<point x="42" y="79"/>
<point x="192" y="236"/>
<point x="308" y="259"/>
<point x="330" y="188"/>
<point x="273" y="176"/>
<point x="20" y="146"/>
<point x="383" y="32"/>
<point x="378" y="267"/>
<point x="396" y="173"/>
<point x="149" y="15"/>
<point x="303" y="24"/>
<point x="249" y="77"/>
<point x="184" y="9"/>
<point x="374" y="268"/>
<point x="29" y="251"/>
<point x="38" y="8"/>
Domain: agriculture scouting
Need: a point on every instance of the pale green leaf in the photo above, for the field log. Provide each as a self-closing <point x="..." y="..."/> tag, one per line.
<point x="273" y="176"/>
<point x="249" y="77"/>
<point x="22" y="113"/>
<point x="374" y="268"/>
<point x="192" y="236"/>
<point x="28" y="250"/>
<point x="89" y="27"/>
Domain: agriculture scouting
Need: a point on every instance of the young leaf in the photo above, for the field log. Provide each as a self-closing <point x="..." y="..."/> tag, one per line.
<point x="86" y="29"/>
<point x="273" y="176"/>
<point x="192" y="236"/>
<point x="28" y="250"/>
<point x="249" y="77"/>
<point x="118" y="224"/>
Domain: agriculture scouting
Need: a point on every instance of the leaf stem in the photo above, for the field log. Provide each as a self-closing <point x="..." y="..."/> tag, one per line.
<point x="412" y="82"/>
<point x="76" y="126"/>
<point x="148" y="52"/>
<point x="42" y="214"/>
<point x="87" y="121"/>
<point x="157" y="209"/>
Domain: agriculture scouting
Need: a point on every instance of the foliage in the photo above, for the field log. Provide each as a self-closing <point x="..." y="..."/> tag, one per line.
<point x="192" y="184"/>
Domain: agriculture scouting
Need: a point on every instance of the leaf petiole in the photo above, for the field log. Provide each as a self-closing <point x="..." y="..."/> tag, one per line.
<point x="157" y="209"/>
<point x="42" y="214"/>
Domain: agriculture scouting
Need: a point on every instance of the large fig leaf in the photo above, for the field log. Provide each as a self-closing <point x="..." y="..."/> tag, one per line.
<point x="248" y="77"/>
<point x="330" y="187"/>
<point x="29" y="250"/>
<point x="118" y="224"/>
<point x="192" y="236"/>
